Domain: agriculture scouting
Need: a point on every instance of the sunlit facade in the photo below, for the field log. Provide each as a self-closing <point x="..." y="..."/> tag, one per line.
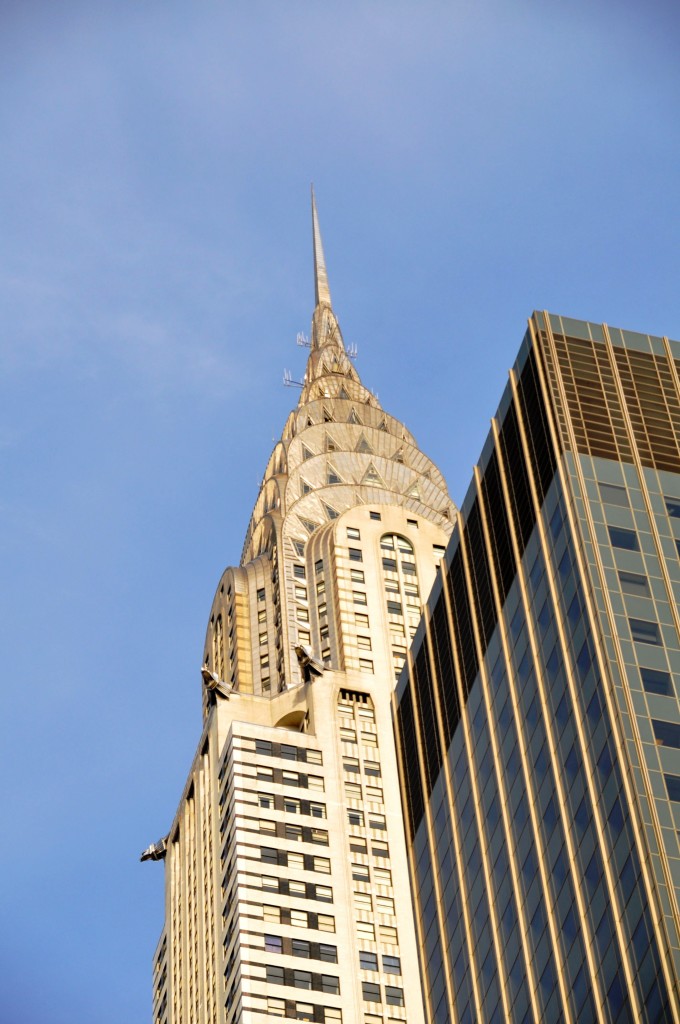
<point x="538" y="722"/>
<point x="287" y="889"/>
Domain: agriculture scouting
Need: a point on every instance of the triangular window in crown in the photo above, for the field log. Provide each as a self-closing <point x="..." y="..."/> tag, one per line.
<point x="332" y="475"/>
<point x="353" y="418"/>
<point x="413" y="491"/>
<point x="331" y="446"/>
<point x="310" y="421"/>
<point x="331" y="512"/>
<point x="309" y="526"/>
<point x="306" y="453"/>
<point x="305" y="488"/>
<point x="399" y="455"/>
<point x="372" y="476"/>
<point x="383" y="424"/>
<point x="342" y="393"/>
<point x="327" y="418"/>
<point x="299" y="546"/>
<point x="364" y="446"/>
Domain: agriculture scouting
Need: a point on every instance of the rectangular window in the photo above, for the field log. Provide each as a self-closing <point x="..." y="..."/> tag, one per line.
<point x="268" y="826"/>
<point x="644" y="632"/>
<point x="380" y="849"/>
<point x="394" y="607"/>
<point x="301" y="979"/>
<point x="355" y="555"/>
<point x="656" y="681"/>
<point x="673" y="507"/>
<point x="321" y="865"/>
<point x="315" y="782"/>
<point x="314" y="757"/>
<point x="276" y="1007"/>
<point x="365" y="929"/>
<point x="634" y="583"/>
<point x="270" y="913"/>
<point x="622" y="538"/>
<point x="299" y="919"/>
<point x="368" y="961"/>
<point x="290" y="778"/>
<point x="275" y="975"/>
<point x="388" y="934"/>
<point x="363" y="902"/>
<point x="330" y="984"/>
<point x="372" y="768"/>
<point x="360" y="873"/>
<point x="318" y="566"/>
<point x="365" y="665"/>
<point x="329" y="954"/>
<point x="359" y="597"/>
<point x="353" y="791"/>
<point x="383" y="876"/>
<point x="666" y="734"/>
<point x="265" y="799"/>
<point x="294" y="833"/>
<point x="353" y="533"/>
<point x="263" y="748"/>
<point x="262" y="615"/>
<point x="394" y="996"/>
<point x="296" y="888"/>
<point x="273" y="944"/>
<point x="350" y="764"/>
<point x="355" y="817"/>
<point x="375" y="515"/>
<point x="304" y="636"/>
<point x="324" y="893"/>
<point x="348" y="735"/>
<point x="317" y="810"/>
<point x="377" y="821"/>
<point x="326" y="923"/>
<point x="389" y="564"/>
<point x="673" y="787"/>
<point x="289" y="752"/>
<point x="296" y="860"/>
<point x="361" y="619"/>
<point x="304" y="1011"/>
<point x="300" y="592"/>
<point x="391" y="964"/>
<point x="318" y="836"/>
<point x="371" y="992"/>
<point x="301" y="947"/>
<point x="357" y="575"/>
<point x="385" y="904"/>
<point x="612" y="494"/>
<point x="299" y="571"/>
<point x="260" y="594"/>
<point x="332" y="1015"/>
<point x="357" y="845"/>
<point x="290" y="805"/>
<point x="364" y="643"/>
<point x="269" y="855"/>
<point x="302" y="614"/>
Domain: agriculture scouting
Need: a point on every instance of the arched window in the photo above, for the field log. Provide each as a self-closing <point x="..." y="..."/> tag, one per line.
<point x="402" y="594"/>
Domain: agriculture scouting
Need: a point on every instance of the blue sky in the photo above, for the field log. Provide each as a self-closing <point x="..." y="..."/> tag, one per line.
<point x="472" y="161"/>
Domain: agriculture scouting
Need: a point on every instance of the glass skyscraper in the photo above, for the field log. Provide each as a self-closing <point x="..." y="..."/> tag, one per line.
<point x="538" y="722"/>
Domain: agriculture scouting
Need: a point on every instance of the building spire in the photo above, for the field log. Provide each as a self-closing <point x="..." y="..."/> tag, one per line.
<point x="322" y="292"/>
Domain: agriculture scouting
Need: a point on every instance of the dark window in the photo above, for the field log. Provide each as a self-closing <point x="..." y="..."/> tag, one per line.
<point x="273" y="943"/>
<point x="391" y="964"/>
<point x="414" y="793"/>
<point x="612" y="494"/>
<point x="301" y="979"/>
<point x="622" y="538"/>
<point x="300" y="947"/>
<point x="673" y="507"/>
<point x="299" y="571"/>
<point x="656" y="681"/>
<point x="318" y="566"/>
<point x="390" y="564"/>
<point x="275" y="975"/>
<point x="329" y="983"/>
<point x="394" y="607"/>
<point x="375" y="515"/>
<point x="263" y="748"/>
<point x="666" y="734"/>
<point x="368" y="961"/>
<point x="673" y="787"/>
<point x="394" y="996"/>
<point x="645" y="632"/>
<point x="633" y="583"/>
<point x="260" y="594"/>
<point x="422" y="684"/>
<point x="355" y="555"/>
<point x="328" y="953"/>
<point x="371" y="991"/>
<point x="269" y="855"/>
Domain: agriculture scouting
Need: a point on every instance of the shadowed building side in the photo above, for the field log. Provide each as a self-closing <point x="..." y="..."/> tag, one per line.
<point x="538" y="721"/>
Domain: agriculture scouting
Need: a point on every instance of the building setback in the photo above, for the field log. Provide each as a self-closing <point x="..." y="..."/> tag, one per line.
<point x="538" y="721"/>
<point x="287" y="890"/>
